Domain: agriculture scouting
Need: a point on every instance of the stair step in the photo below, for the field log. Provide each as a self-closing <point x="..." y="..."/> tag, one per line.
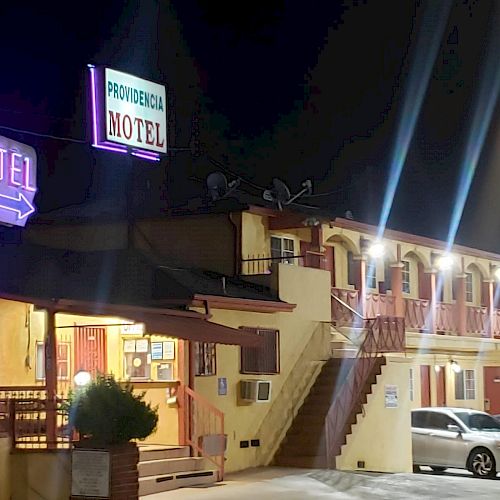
<point x="166" y="482"/>
<point x="158" y="452"/>
<point x="169" y="466"/>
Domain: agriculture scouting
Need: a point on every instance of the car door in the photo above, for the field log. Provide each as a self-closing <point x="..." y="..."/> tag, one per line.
<point x="445" y="448"/>
<point x="420" y="437"/>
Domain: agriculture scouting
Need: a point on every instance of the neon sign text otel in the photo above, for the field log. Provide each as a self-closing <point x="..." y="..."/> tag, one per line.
<point x="17" y="181"/>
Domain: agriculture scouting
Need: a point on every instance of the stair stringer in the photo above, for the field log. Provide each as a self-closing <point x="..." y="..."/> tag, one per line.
<point x="381" y="437"/>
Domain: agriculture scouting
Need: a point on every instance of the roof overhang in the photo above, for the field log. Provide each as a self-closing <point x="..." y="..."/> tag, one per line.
<point x="188" y="325"/>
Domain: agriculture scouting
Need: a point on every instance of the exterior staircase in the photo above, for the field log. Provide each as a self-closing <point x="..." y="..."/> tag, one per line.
<point x="305" y="443"/>
<point x="165" y="468"/>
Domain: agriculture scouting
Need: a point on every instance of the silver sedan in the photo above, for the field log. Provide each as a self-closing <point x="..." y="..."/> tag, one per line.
<point x="456" y="437"/>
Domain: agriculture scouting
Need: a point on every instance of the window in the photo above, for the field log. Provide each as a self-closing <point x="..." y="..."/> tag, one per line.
<point x="465" y="385"/>
<point x="419" y="419"/>
<point x="411" y="384"/>
<point x="282" y="250"/>
<point x="204" y="358"/>
<point x="406" y="276"/>
<point x="468" y="287"/>
<point x="136" y="358"/>
<point x="62" y="361"/>
<point x="371" y="274"/>
<point x="439" y="421"/>
<point x="352" y="269"/>
<point x="263" y="359"/>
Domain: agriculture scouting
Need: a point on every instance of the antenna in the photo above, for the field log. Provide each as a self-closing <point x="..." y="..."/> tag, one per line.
<point x="218" y="187"/>
<point x="281" y="195"/>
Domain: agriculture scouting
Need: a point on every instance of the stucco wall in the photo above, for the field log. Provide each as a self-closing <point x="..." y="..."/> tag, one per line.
<point x="382" y="436"/>
<point x="40" y="476"/>
<point x="4" y="468"/>
<point x="301" y="335"/>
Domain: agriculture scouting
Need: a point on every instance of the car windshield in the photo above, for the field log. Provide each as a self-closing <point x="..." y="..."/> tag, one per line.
<point x="479" y="422"/>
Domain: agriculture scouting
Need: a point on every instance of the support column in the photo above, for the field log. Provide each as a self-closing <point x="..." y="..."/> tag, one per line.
<point x="51" y="378"/>
<point x="490" y="304"/>
<point x="431" y="319"/>
<point x="397" y="285"/>
<point x="461" y="307"/>
<point x="361" y="279"/>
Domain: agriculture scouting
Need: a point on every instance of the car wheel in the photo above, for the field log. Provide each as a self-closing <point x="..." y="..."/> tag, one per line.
<point x="482" y="463"/>
<point x="435" y="468"/>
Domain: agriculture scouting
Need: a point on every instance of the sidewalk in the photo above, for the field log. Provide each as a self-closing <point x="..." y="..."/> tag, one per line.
<point x="274" y="483"/>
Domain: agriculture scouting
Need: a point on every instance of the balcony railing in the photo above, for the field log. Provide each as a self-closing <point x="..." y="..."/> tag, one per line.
<point x="477" y="321"/>
<point x="262" y="263"/>
<point x="379" y="304"/>
<point x="417" y="314"/>
<point x="341" y="314"/>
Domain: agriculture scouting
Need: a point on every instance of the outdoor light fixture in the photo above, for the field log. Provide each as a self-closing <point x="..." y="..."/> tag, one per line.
<point x="497" y="273"/>
<point x="82" y="378"/>
<point x="376" y="250"/>
<point x="456" y="367"/>
<point x="445" y="262"/>
<point x="437" y="368"/>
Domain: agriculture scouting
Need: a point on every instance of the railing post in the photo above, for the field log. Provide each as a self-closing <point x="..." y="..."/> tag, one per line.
<point x="51" y="379"/>
<point x="461" y="306"/>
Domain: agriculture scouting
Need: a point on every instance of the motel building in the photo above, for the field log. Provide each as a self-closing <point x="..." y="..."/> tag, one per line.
<point x="263" y="336"/>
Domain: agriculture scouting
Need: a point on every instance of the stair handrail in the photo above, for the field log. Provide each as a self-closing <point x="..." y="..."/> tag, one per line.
<point x="342" y="406"/>
<point x="307" y="358"/>
<point x="198" y="414"/>
<point x="347" y="306"/>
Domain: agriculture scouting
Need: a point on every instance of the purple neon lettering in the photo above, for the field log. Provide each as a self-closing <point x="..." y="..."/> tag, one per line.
<point x="14" y="169"/>
<point x="3" y="152"/>
<point x="26" y="184"/>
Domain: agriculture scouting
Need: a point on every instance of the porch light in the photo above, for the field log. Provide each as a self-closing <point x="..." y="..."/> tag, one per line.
<point x="445" y="262"/>
<point x="376" y="250"/>
<point x="437" y="368"/>
<point x="497" y="273"/>
<point x="82" y="378"/>
<point x="456" y="367"/>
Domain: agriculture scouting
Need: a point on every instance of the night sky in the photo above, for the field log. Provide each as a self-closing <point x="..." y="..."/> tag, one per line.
<point x="289" y="89"/>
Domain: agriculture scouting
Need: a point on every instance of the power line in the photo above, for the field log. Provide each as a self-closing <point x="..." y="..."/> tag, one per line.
<point x="48" y="136"/>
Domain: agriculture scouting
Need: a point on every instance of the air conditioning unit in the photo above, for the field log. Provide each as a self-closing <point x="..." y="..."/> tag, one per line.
<point x="257" y="391"/>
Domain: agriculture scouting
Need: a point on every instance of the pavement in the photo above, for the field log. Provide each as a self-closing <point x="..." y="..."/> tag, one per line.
<point x="275" y="483"/>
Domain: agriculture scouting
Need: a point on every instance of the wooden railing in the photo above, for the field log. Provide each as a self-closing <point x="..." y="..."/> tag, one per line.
<point x="383" y="335"/>
<point x="417" y="313"/>
<point x="477" y="321"/>
<point x="203" y="428"/>
<point x="27" y="417"/>
<point x="379" y="304"/>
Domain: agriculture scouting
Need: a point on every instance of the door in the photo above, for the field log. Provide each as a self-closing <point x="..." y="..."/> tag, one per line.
<point x="425" y="385"/>
<point x="441" y="386"/>
<point x="492" y="389"/>
<point x="90" y="350"/>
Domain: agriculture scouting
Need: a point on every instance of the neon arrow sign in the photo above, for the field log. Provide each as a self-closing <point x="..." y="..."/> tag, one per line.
<point x="17" y="182"/>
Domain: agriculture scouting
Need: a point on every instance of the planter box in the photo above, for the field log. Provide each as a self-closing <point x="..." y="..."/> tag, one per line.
<point x="124" y="480"/>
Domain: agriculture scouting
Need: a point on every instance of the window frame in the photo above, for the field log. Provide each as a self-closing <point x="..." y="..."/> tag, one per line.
<point x="249" y="351"/>
<point x="201" y="349"/>
<point x="469" y="288"/>
<point x="463" y="380"/>
<point x="40" y="360"/>
<point x="282" y="254"/>
<point x="406" y="277"/>
<point x="371" y="279"/>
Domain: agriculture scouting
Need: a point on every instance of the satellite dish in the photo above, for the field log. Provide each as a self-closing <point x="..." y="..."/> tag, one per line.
<point x="281" y="195"/>
<point x="218" y="186"/>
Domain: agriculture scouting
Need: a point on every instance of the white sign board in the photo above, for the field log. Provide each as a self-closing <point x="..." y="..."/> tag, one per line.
<point x="90" y="473"/>
<point x="136" y="111"/>
<point x="391" y="396"/>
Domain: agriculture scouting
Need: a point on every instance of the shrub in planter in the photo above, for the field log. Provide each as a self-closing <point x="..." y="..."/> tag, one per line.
<point x="109" y="416"/>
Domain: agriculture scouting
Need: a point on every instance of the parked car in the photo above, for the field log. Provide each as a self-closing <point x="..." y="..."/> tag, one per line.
<point x="456" y="437"/>
<point x="497" y="417"/>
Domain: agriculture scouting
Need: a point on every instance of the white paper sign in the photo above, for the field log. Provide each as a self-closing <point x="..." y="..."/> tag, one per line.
<point x="391" y="396"/>
<point x="90" y="473"/>
<point x="142" y="345"/>
<point x="129" y="346"/>
<point x="169" y="349"/>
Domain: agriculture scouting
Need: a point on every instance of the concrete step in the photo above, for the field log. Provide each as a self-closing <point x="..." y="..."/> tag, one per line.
<point x="166" y="482"/>
<point x="169" y="465"/>
<point x="343" y="353"/>
<point x="158" y="452"/>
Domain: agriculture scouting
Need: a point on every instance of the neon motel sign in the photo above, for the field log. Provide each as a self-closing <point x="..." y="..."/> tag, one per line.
<point x="129" y="114"/>
<point x="17" y="182"/>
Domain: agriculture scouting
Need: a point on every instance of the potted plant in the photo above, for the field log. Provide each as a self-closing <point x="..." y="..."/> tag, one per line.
<point x="108" y="416"/>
